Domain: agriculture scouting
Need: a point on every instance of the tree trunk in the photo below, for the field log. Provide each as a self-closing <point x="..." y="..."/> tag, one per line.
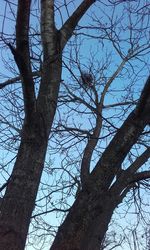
<point x="87" y="222"/>
<point x="19" y="200"/>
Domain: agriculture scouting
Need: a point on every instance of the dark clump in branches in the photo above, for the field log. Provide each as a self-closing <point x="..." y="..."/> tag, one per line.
<point x="86" y="79"/>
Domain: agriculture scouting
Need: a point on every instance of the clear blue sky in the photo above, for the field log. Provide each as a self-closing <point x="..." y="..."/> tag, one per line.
<point x="101" y="49"/>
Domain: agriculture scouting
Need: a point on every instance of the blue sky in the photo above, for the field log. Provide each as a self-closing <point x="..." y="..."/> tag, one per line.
<point x="100" y="48"/>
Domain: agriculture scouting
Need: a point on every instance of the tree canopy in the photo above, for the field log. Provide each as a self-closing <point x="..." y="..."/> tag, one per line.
<point x="75" y="117"/>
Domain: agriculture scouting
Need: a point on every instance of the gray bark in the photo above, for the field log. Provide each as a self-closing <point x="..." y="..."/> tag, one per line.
<point x="19" y="199"/>
<point x="89" y="217"/>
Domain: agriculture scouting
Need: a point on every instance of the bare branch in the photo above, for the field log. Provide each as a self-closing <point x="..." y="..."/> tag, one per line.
<point x="123" y="140"/>
<point x="10" y="81"/>
<point x="22" y="56"/>
<point x="69" y="26"/>
<point x="88" y="151"/>
<point x="4" y="185"/>
<point x="126" y="178"/>
<point x="50" y="211"/>
<point x="119" y="104"/>
<point x="17" y="79"/>
<point x="141" y="176"/>
<point x="112" y="78"/>
<point x="139" y="161"/>
<point x="144" y="99"/>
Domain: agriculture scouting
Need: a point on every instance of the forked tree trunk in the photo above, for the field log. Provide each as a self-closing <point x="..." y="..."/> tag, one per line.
<point x="88" y="219"/>
<point x="18" y="202"/>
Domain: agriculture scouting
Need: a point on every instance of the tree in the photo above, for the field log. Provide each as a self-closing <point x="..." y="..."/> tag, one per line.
<point x="88" y="218"/>
<point x="103" y="183"/>
<point x="39" y="114"/>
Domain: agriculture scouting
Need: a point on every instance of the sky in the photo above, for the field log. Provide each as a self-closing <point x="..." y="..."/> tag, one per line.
<point x="88" y="46"/>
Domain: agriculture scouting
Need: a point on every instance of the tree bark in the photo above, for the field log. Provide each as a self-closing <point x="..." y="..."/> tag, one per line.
<point x="19" y="200"/>
<point x="87" y="221"/>
<point x="18" y="203"/>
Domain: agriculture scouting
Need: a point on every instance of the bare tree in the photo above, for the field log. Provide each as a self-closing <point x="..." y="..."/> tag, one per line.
<point x="20" y="195"/>
<point x="102" y="154"/>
